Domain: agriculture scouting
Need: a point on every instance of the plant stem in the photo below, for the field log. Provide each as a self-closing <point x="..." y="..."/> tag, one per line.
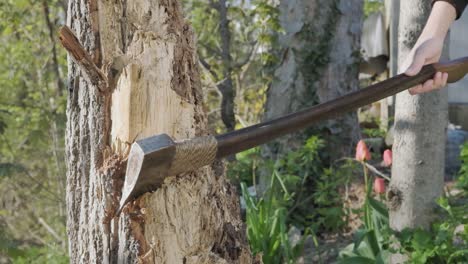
<point x="367" y="212"/>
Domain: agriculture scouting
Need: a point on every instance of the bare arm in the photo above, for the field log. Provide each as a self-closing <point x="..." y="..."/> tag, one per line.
<point x="428" y="48"/>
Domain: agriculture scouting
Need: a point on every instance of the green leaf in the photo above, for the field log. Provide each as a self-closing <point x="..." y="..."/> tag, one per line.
<point x="457" y="254"/>
<point x="378" y="207"/>
<point x="357" y="260"/>
<point x="8" y="169"/>
<point x="383" y="257"/>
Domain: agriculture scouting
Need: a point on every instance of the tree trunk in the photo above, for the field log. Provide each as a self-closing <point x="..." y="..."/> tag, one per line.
<point x="320" y="61"/>
<point x="226" y="87"/>
<point x="147" y="52"/>
<point x="392" y="8"/>
<point x="420" y="123"/>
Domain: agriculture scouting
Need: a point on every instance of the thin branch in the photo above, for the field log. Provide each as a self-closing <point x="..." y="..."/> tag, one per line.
<point x="248" y="58"/>
<point x="370" y="167"/>
<point x="211" y="50"/>
<point x="376" y="171"/>
<point x="207" y="66"/>
<point x="50" y="26"/>
<point x="83" y="59"/>
<point x="50" y="230"/>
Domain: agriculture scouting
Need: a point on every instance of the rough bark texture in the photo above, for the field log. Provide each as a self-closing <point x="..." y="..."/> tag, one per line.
<point x="147" y="51"/>
<point x="420" y="124"/>
<point x="320" y="61"/>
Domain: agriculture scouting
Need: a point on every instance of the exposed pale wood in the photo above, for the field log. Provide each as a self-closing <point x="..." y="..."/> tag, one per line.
<point x="147" y="51"/>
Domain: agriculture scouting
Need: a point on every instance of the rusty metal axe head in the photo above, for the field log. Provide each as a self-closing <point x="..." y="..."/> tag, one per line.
<point x="153" y="159"/>
<point x="148" y="165"/>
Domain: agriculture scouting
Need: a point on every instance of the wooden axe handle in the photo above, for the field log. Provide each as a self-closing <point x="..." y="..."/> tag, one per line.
<point x="249" y="137"/>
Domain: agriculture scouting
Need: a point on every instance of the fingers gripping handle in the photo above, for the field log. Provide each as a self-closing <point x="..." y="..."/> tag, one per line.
<point x="193" y="154"/>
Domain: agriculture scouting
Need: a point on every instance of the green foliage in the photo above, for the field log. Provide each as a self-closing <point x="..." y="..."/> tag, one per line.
<point x="267" y="227"/>
<point x="374" y="132"/>
<point x="245" y="168"/>
<point x="371" y="240"/>
<point x="371" y="6"/>
<point x="299" y="171"/>
<point x="286" y="202"/>
<point x="446" y="242"/>
<point x="8" y="169"/>
<point x="39" y="255"/>
<point x="322" y="209"/>
<point x="463" y="174"/>
<point x="32" y="122"/>
<point x="252" y="28"/>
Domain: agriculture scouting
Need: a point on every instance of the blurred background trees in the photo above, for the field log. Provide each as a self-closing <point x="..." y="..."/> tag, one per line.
<point x="32" y="119"/>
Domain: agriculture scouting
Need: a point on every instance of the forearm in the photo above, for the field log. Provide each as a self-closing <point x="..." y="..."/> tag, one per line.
<point x="442" y="16"/>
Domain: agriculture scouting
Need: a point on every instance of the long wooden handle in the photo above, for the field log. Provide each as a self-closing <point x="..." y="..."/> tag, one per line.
<point x="249" y="137"/>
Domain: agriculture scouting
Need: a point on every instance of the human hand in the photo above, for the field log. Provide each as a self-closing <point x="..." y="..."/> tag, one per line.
<point x="426" y="52"/>
<point x="428" y="48"/>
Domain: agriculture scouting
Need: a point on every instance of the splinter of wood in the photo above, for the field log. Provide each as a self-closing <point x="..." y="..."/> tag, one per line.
<point x="82" y="58"/>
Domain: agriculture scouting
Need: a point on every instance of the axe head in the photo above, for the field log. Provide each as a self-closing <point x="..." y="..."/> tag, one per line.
<point x="148" y="163"/>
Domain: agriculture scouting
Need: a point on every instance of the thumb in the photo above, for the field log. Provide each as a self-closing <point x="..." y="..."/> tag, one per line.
<point x="417" y="64"/>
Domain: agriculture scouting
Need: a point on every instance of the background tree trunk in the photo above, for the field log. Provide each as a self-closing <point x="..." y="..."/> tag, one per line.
<point x="226" y="87"/>
<point x="392" y="8"/>
<point x="320" y="61"/>
<point x="419" y="144"/>
<point x="147" y="51"/>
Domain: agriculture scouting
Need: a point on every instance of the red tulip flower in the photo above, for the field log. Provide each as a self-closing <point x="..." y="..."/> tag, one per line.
<point x="379" y="185"/>
<point x="362" y="152"/>
<point x="387" y="158"/>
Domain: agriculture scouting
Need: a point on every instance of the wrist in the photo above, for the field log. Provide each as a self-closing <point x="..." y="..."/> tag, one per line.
<point x="441" y="18"/>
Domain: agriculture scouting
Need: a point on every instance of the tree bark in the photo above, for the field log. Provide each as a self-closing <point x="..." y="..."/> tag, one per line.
<point x="392" y="16"/>
<point x="420" y="123"/>
<point x="147" y="51"/>
<point x="320" y="61"/>
<point x="226" y="87"/>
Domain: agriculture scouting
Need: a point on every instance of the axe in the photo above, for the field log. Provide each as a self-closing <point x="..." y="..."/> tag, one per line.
<point x="153" y="159"/>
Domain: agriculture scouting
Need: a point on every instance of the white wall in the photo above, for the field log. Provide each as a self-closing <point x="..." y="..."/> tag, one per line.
<point x="458" y="92"/>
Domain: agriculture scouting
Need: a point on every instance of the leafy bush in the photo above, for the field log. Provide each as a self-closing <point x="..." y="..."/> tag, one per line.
<point x="245" y="168"/>
<point x="374" y="132"/>
<point x="317" y="203"/>
<point x="267" y="228"/>
<point x="39" y="255"/>
<point x="446" y="242"/>
<point x="463" y="174"/>
<point x="301" y="193"/>
<point x="22" y="254"/>
<point x="371" y="240"/>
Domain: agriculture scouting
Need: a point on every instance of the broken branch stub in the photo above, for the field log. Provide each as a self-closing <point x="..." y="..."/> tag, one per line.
<point x="82" y="58"/>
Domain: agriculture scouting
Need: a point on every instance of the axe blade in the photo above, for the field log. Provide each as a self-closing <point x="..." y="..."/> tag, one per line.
<point x="148" y="163"/>
<point x="153" y="159"/>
